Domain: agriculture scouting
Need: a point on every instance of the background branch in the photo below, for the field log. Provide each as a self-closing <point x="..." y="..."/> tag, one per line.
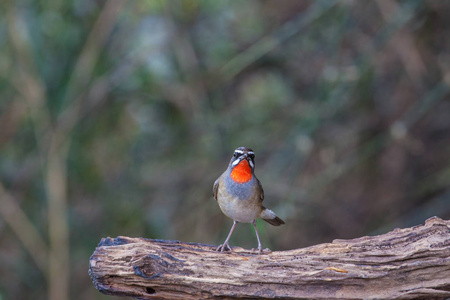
<point x="24" y="229"/>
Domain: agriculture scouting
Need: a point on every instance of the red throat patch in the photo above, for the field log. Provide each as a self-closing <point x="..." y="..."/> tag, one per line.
<point x="242" y="173"/>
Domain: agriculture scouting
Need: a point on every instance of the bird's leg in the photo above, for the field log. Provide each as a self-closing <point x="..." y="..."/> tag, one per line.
<point x="257" y="236"/>
<point x="225" y="246"/>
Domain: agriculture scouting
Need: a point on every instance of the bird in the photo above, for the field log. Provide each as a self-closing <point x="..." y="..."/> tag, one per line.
<point x="240" y="195"/>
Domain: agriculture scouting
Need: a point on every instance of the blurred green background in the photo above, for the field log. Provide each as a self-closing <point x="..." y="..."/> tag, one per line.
<point x="116" y="117"/>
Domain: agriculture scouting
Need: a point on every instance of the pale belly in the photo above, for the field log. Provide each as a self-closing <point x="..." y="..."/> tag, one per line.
<point x="244" y="211"/>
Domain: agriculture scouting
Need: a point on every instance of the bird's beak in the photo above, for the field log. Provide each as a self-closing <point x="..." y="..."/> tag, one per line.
<point x="242" y="157"/>
<point x="245" y="156"/>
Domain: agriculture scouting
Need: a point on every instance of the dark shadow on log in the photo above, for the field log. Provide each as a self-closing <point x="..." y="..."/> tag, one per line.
<point x="411" y="263"/>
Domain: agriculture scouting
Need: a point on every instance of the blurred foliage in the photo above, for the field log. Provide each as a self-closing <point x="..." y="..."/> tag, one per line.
<point x="117" y="116"/>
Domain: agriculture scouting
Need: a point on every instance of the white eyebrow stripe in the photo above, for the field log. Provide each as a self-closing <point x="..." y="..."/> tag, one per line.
<point x="251" y="153"/>
<point x="239" y="151"/>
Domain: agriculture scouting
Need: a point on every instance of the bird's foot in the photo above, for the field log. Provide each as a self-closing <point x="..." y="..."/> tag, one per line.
<point x="260" y="250"/>
<point x="223" y="247"/>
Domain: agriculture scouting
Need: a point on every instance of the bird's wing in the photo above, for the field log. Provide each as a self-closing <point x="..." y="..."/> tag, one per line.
<point x="215" y="188"/>
<point x="261" y="196"/>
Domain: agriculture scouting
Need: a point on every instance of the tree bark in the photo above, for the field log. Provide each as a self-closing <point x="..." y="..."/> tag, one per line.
<point x="406" y="263"/>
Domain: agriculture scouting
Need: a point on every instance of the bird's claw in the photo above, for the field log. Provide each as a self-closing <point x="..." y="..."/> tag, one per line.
<point x="223" y="247"/>
<point x="260" y="250"/>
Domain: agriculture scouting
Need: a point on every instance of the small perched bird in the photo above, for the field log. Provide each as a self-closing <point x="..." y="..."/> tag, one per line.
<point x="240" y="195"/>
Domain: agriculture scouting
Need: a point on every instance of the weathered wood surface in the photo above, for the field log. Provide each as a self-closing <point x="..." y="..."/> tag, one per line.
<point x="402" y="264"/>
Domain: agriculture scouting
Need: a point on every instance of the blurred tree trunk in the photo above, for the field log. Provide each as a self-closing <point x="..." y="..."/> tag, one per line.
<point x="404" y="263"/>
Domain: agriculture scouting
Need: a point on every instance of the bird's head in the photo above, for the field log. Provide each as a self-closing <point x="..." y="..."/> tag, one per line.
<point x="242" y="164"/>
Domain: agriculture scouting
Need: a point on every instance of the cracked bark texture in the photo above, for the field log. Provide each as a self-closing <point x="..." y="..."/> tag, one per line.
<point x="410" y="263"/>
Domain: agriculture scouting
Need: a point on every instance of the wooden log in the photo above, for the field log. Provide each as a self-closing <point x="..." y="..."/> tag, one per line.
<point x="406" y="263"/>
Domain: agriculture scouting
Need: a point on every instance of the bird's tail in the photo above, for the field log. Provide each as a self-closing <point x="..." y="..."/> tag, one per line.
<point x="270" y="217"/>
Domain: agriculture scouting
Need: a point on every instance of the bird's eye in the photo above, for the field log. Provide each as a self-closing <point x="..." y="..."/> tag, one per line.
<point x="252" y="156"/>
<point x="236" y="154"/>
